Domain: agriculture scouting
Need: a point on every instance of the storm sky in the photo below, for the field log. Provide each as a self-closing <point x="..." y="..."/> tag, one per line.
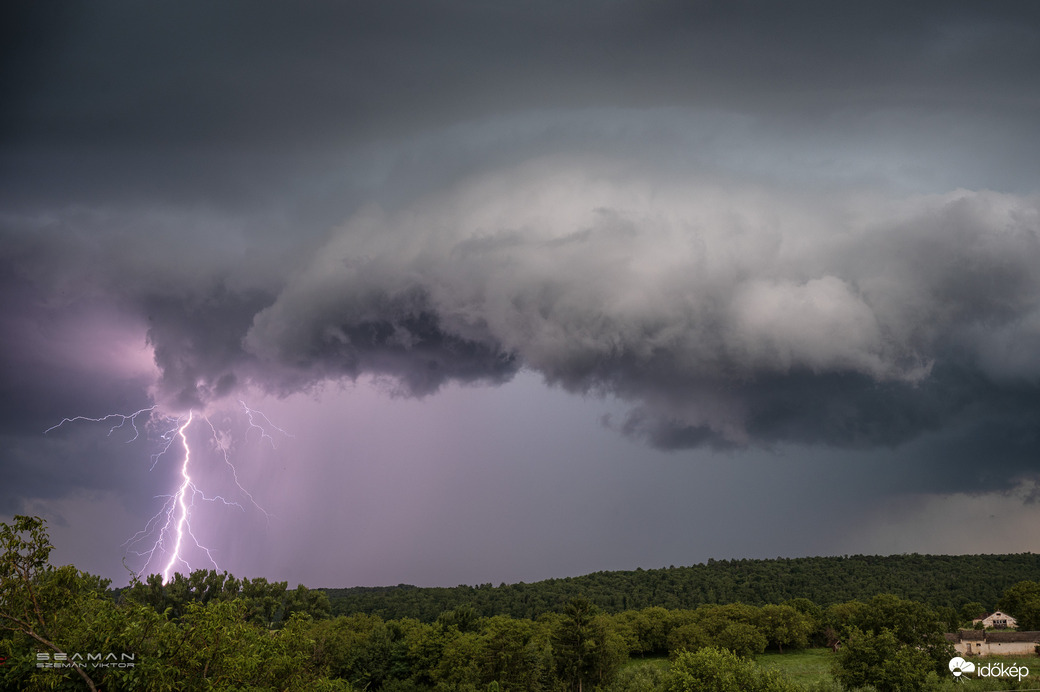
<point x="525" y="290"/>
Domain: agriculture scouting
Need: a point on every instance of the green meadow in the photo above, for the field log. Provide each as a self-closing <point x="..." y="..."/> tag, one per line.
<point x="811" y="670"/>
<point x="805" y="667"/>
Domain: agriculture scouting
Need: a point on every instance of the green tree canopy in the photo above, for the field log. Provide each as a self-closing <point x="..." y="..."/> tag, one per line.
<point x="1022" y="601"/>
<point x="719" y="670"/>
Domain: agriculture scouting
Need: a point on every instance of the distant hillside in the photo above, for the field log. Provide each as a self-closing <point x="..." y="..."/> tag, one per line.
<point x="939" y="580"/>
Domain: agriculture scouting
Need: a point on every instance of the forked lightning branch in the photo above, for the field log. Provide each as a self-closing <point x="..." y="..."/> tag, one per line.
<point x="173" y="533"/>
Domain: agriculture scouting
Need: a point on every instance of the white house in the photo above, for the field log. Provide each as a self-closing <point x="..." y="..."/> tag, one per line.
<point x="998" y="621"/>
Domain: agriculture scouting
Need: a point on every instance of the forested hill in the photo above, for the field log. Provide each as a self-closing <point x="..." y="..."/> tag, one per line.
<point x="939" y="580"/>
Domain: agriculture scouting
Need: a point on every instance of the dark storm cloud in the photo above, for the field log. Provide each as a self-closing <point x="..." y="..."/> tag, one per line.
<point x="192" y="102"/>
<point x="401" y="336"/>
<point x="730" y="318"/>
<point x="743" y="219"/>
<point x="55" y="465"/>
<point x="197" y="343"/>
<point x="198" y="347"/>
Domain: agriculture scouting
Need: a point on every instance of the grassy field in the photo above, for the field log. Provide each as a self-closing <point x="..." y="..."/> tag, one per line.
<point x="661" y="662"/>
<point x="808" y="667"/>
<point x="812" y="666"/>
<point x="805" y="666"/>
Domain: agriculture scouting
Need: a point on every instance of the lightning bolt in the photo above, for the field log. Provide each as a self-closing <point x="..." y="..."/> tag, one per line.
<point x="170" y="531"/>
<point x="253" y="414"/>
<point x="123" y="420"/>
<point x="180" y="503"/>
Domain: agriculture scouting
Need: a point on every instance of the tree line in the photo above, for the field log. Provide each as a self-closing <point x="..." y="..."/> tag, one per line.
<point x="213" y="631"/>
<point x="938" y="580"/>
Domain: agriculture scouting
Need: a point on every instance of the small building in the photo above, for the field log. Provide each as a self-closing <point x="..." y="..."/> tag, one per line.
<point x="997" y="621"/>
<point x="993" y="643"/>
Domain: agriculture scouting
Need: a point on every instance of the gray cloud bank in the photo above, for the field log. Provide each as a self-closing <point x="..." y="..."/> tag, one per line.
<point x="756" y="223"/>
<point x="730" y="316"/>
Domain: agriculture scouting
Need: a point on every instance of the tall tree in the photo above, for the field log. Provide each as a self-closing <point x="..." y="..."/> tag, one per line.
<point x="880" y="660"/>
<point x="586" y="646"/>
<point x="30" y="589"/>
<point x="1023" y="602"/>
<point x="575" y="642"/>
<point x="783" y="626"/>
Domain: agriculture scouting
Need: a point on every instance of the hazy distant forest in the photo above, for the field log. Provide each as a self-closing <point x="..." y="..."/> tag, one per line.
<point x="674" y="630"/>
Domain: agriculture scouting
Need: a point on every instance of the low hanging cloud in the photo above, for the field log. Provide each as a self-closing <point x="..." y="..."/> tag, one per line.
<point x="727" y="316"/>
<point x="726" y="312"/>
